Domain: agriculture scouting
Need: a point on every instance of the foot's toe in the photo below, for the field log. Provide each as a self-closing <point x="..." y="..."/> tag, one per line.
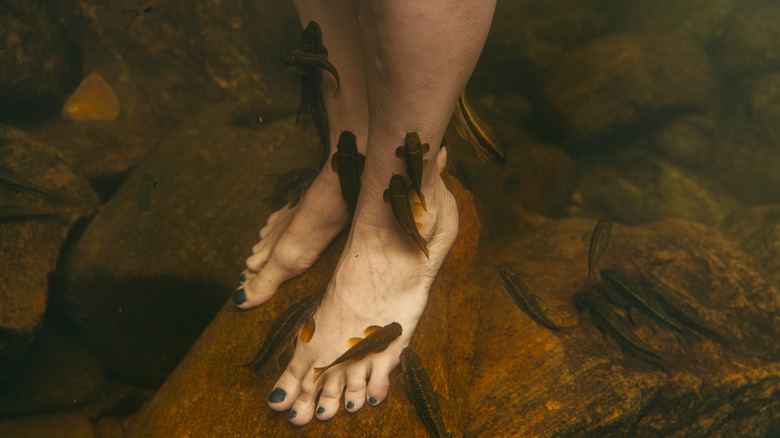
<point x="355" y="395"/>
<point x="261" y="287"/>
<point x="332" y="387"/>
<point x="288" y="387"/>
<point x="302" y="410"/>
<point x="378" y="383"/>
<point x="256" y="261"/>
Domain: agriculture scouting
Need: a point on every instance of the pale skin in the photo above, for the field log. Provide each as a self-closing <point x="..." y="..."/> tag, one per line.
<point x="402" y="65"/>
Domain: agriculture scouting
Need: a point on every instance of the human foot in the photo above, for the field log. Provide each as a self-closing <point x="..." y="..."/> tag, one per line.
<point x="292" y="240"/>
<point x="382" y="277"/>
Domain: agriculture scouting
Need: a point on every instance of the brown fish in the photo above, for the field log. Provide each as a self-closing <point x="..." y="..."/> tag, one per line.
<point x="526" y="300"/>
<point x="421" y="393"/>
<point x="376" y="340"/>
<point x="472" y="129"/>
<point x="599" y="242"/>
<point x="348" y="163"/>
<point x="397" y="196"/>
<point x="296" y="318"/>
<point x="306" y="62"/>
<point x="412" y="152"/>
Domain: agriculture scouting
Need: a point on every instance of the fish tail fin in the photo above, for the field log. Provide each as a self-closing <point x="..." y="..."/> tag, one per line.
<point x="318" y="372"/>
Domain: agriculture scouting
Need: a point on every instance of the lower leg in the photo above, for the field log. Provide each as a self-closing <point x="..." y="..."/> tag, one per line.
<point x="418" y="56"/>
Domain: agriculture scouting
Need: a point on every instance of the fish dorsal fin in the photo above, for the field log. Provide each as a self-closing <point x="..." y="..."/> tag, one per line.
<point x="425" y="164"/>
<point x="419" y="225"/>
<point x="334" y="164"/>
<point x="307" y="331"/>
<point x="386" y="196"/>
<point x="613" y="343"/>
<point x="371" y="329"/>
<point x="540" y="301"/>
<point x="353" y="341"/>
<point x="361" y="163"/>
<point x="506" y="294"/>
<point x="425" y="148"/>
<point x="400" y="152"/>
<point x="587" y="235"/>
<point x="417" y="209"/>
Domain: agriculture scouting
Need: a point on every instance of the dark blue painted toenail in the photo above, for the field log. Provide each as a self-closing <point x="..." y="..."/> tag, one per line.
<point x="350" y="405"/>
<point x="320" y="410"/>
<point x="243" y="278"/>
<point x="277" y="395"/>
<point x="372" y="400"/>
<point x="293" y="414"/>
<point x="239" y="297"/>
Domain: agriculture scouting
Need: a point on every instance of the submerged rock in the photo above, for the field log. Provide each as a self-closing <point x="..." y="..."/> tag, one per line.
<point x="34" y="222"/>
<point x="699" y="20"/>
<point x="757" y="231"/>
<point x="93" y="100"/>
<point x="617" y="82"/>
<point x="634" y="186"/>
<point x="750" y="43"/>
<point x="531" y="382"/>
<point x="162" y="256"/>
<point x="209" y="395"/>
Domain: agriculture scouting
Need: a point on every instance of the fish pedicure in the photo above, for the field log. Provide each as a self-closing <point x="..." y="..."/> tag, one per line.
<point x="277" y="395"/>
<point x="239" y="296"/>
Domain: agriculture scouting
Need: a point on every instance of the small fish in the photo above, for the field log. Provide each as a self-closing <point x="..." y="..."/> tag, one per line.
<point x="306" y="62"/>
<point x="412" y="152"/>
<point x="398" y="197"/>
<point x="296" y="318"/>
<point x="615" y="328"/>
<point x="599" y="242"/>
<point x="13" y="181"/>
<point x="348" y="163"/>
<point x="376" y="340"/>
<point x="472" y="129"/>
<point x="630" y="292"/>
<point x="145" y="8"/>
<point x="526" y="300"/>
<point x="421" y="393"/>
<point x="18" y="213"/>
<point x="676" y="306"/>
<point x="291" y="186"/>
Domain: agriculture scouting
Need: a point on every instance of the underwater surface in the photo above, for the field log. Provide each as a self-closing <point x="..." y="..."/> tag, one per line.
<point x="617" y="275"/>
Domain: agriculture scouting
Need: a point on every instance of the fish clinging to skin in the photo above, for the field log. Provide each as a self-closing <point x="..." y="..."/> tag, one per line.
<point x="296" y="319"/>
<point x="376" y="340"/>
<point x="421" y="393"/>
<point x="348" y="163"/>
<point x="478" y="133"/>
<point x="526" y="300"/>
<point x="599" y="242"/>
<point x="398" y="197"/>
<point x="412" y="152"/>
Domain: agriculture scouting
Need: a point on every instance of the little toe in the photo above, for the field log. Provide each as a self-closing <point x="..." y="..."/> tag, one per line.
<point x="328" y="404"/>
<point x="355" y="395"/>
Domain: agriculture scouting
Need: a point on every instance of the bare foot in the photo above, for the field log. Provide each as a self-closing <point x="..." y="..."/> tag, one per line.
<point x="293" y="239"/>
<point x="382" y="277"/>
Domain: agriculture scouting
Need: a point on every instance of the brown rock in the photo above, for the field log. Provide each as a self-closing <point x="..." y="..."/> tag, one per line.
<point x="72" y="425"/>
<point x="757" y="231"/>
<point x="531" y="382"/>
<point x="209" y="395"/>
<point x="750" y="43"/>
<point x="33" y="226"/>
<point x="700" y="20"/>
<point x="618" y="81"/>
<point x="162" y="256"/>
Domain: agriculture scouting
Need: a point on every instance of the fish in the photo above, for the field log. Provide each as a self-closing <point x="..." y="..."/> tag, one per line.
<point x="291" y="186"/>
<point x="146" y="7"/>
<point x="412" y="152"/>
<point x="526" y="300"/>
<point x="397" y="196"/>
<point x="630" y="292"/>
<point x="421" y="393"/>
<point x="599" y="242"/>
<point x="676" y="306"/>
<point x="615" y="328"/>
<point x="18" y="213"/>
<point x="475" y="131"/>
<point x="294" y="320"/>
<point x="306" y="62"/>
<point x="13" y="181"/>
<point x="348" y="163"/>
<point x="376" y="340"/>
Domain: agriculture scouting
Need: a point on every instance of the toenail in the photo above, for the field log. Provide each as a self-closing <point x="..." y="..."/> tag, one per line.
<point x="277" y="395"/>
<point x="372" y="400"/>
<point x="293" y="414"/>
<point x="239" y="297"/>
<point x="243" y="278"/>
<point x="350" y="405"/>
<point x="320" y="410"/>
